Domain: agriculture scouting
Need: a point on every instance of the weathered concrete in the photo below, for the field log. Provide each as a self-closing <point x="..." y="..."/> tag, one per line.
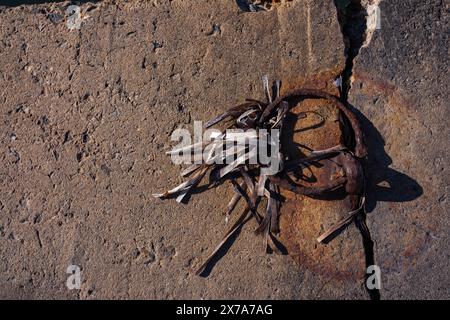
<point x="86" y="117"/>
<point x="400" y="86"/>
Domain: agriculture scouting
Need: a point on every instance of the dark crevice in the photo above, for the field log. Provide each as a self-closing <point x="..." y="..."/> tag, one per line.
<point x="352" y="18"/>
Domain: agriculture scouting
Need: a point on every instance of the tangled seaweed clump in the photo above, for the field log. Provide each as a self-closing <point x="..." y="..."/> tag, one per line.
<point x="253" y="183"/>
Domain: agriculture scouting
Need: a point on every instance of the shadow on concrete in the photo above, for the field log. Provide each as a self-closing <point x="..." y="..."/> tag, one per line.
<point x="397" y="186"/>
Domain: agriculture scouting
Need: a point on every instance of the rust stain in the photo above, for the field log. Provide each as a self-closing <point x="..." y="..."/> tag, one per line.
<point x="303" y="219"/>
<point x="400" y="117"/>
<point x="373" y="85"/>
<point x="322" y="80"/>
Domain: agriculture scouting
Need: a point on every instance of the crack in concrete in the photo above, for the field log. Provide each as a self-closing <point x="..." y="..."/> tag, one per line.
<point x="352" y="18"/>
<point x="358" y="20"/>
<point x="357" y="30"/>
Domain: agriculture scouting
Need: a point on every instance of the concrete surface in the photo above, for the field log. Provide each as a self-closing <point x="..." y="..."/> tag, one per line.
<point x="86" y="116"/>
<point x="400" y="86"/>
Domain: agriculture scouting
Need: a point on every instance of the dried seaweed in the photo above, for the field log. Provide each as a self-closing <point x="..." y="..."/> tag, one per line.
<point x="255" y="185"/>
